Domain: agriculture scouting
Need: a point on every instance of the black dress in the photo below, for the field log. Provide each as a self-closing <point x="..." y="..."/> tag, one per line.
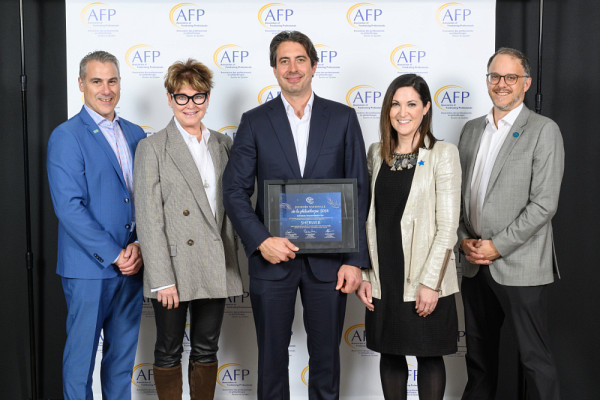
<point x="395" y="327"/>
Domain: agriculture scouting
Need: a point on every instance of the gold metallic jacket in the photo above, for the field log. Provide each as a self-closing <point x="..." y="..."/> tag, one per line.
<point x="429" y="222"/>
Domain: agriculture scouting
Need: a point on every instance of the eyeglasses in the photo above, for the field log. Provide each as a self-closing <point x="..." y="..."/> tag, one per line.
<point x="509" y="79"/>
<point x="183" y="99"/>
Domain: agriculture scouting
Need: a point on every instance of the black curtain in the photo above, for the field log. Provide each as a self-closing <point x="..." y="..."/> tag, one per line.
<point x="571" y="63"/>
<point x="571" y="88"/>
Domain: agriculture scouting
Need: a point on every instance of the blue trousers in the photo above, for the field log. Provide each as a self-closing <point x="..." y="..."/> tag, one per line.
<point x="114" y="306"/>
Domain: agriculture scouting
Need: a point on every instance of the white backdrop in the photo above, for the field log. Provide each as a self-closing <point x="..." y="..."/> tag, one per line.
<point x="361" y="46"/>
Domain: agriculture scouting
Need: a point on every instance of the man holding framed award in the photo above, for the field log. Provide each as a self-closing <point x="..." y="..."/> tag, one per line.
<point x="296" y="144"/>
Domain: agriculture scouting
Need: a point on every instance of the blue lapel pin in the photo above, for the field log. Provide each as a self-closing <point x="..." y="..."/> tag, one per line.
<point x="421" y="162"/>
<point x="516" y="134"/>
<point x="95" y="131"/>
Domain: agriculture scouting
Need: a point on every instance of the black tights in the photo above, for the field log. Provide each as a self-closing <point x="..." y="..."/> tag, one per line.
<point x="431" y="378"/>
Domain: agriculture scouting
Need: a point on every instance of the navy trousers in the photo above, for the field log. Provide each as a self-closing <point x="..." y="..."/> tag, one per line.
<point x="273" y="304"/>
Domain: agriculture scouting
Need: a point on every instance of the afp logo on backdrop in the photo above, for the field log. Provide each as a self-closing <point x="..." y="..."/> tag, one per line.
<point x="145" y="61"/>
<point x="238" y="306"/>
<point x="454" y="101"/>
<point x="366" y="18"/>
<point x="142" y="379"/>
<point x="231" y="131"/>
<point x="328" y="66"/>
<point x="355" y="337"/>
<point x="452" y="97"/>
<point x="455" y="19"/>
<point x="276" y="17"/>
<point x="366" y="100"/>
<point x="147" y="310"/>
<point x="100" y="342"/>
<point x="233" y="60"/>
<point x="268" y="93"/>
<point x="189" y="19"/>
<point x="409" y="58"/>
<point x="412" y="388"/>
<point x="98" y="14"/>
<point x="186" y="15"/>
<point x="101" y="19"/>
<point x="461" y="344"/>
<point x="235" y="379"/>
<point x="244" y="298"/>
<point x="187" y="343"/>
<point x="149" y="131"/>
<point x="304" y="375"/>
<point x="356" y="340"/>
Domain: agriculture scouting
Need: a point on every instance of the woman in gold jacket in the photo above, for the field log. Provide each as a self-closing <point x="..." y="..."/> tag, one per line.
<point x="411" y="233"/>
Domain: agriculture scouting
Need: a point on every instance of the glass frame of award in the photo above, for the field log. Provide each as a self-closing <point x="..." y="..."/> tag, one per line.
<point x="317" y="215"/>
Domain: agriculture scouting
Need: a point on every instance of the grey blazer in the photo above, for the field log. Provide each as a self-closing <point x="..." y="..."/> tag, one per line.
<point x="520" y="201"/>
<point x="182" y="242"/>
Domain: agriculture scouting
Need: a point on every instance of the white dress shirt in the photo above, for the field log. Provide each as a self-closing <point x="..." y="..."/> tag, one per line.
<point x="491" y="142"/>
<point x="204" y="163"/>
<point x="300" y="128"/>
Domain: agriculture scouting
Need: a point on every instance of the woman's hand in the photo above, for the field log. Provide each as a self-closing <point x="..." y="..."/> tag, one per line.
<point x="168" y="297"/>
<point x="364" y="295"/>
<point x="427" y="299"/>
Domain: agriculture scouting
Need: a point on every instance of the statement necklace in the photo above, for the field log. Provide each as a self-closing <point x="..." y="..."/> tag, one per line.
<point x="403" y="161"/>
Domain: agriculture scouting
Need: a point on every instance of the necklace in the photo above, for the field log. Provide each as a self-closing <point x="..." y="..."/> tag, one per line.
<point x="403" y="161"/>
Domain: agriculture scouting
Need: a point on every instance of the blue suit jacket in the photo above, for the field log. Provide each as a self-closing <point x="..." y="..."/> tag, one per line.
<point x="90" y="198"/>
<point x="264" y="149"/>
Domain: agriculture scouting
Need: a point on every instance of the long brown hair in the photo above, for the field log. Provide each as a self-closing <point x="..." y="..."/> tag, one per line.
<point x="389" y="137"/>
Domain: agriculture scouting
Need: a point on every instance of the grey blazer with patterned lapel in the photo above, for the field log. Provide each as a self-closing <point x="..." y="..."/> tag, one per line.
<point x="182" y="242"/>
<point x="520" y="201"/>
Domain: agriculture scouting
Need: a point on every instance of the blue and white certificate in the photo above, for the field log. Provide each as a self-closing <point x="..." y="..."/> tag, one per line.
<point x="317" y="215"/>
<point x="311" y="216"/>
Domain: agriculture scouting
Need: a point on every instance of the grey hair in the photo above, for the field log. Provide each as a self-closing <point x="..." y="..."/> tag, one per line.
<point x="99" y="55"/>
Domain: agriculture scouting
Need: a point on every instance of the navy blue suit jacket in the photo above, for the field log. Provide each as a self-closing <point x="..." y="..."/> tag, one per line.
<point x="90" y="197"/>
<point x="264" y="149"/>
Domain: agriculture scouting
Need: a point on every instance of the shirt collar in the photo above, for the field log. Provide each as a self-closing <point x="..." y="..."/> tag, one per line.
<point x="289" y="109"/>
<point x="508" y="120"/>
<point x="187" y="137"/>
<point x="99" y="119"/>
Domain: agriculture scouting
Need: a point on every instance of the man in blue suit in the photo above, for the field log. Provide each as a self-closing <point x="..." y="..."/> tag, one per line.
<point x="90" y="159"/>
<point x="296" y="135"/>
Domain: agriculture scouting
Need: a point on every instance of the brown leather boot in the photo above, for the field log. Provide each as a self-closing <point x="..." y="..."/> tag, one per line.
<point x="203" y="378"/>
<point x="168" y="382"/>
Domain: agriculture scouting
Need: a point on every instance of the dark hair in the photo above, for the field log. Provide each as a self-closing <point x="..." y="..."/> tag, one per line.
<point x="190" y="72"/>
<point x="99" y="55"/>
<point x="389" y="137"/>
<point x="514" y="54"/>
<point x="292" y="36"/>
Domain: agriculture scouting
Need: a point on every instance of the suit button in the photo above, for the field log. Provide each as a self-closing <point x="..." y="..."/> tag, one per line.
<point x="127" y="226"/>
<point x="190" y="242"/>
<point x="126" y="200"/>
<point x="186" y="212"/>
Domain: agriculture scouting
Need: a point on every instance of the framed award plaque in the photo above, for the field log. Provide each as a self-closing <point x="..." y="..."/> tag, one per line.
<point x="317" y="215"/>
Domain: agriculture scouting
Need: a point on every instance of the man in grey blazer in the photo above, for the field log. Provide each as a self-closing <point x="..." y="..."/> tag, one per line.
<point x="512" y="161"/>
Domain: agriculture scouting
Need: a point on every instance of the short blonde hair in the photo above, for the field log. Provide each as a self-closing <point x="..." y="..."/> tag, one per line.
<point x="190" y="72"/>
